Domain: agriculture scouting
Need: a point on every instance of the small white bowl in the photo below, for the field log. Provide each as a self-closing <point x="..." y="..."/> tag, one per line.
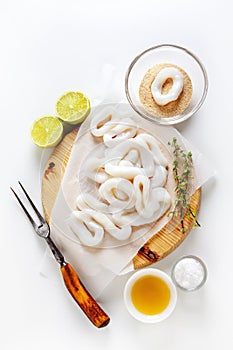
<point x="134" y="311"/>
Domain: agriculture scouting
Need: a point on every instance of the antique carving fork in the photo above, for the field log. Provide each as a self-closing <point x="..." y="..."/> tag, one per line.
<point x="86" y="302"/>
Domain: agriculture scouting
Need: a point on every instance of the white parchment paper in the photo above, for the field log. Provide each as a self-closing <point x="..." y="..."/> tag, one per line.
<point x="98" y="266"/>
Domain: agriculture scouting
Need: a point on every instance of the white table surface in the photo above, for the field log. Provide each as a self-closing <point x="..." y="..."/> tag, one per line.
<point x="50" y="47"/>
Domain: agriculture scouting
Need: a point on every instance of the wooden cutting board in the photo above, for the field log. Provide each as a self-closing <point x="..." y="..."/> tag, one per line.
<point x="159" y="246"/>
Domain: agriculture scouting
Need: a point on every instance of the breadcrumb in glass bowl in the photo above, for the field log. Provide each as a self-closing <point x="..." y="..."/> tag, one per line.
<point x="143" y="71"/>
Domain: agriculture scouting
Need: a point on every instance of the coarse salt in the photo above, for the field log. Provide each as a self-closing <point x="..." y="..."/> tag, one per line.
<point x="189" y="273"/>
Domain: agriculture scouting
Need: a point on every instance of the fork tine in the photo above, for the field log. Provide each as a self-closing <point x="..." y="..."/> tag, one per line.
<point x="40" y="217"/>
<point x="23" y="207"/>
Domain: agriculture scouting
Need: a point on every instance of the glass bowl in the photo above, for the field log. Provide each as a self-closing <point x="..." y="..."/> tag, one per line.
<point x="171" y="54"/>
<point x="189" y="273"/>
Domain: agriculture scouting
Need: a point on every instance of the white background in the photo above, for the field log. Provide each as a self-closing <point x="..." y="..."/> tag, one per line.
<point x="50" y="47"/>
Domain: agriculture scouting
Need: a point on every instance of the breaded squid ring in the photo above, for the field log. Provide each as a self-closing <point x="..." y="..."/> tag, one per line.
<point x="159" y="81"/>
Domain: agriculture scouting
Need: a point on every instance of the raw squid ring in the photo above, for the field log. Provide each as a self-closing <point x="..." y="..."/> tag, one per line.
<point x="87" y="201"/>
<point x="118" y="192"/>
<point x="119" y="132"/>
<point x="89" y="226"/>
<point x="122" y="150"/>
<point x="118" y="232"/>
<point x="176" y="89"/>
<point x="106" y="124"/>
<point x="142" y="193"/>
<point x="150" y="143"/>
<point x="102" y="121"/>
<point x="133" y="157"/>
<point x="159" y="203"/>
<point x="95" y="169"/>
<point x="160" y="176"/>
<point x="117" y="169"/>
<point x="89" y="232"/>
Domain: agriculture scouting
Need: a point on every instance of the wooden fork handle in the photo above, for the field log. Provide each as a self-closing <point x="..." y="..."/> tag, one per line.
<point x="86" y="302"/>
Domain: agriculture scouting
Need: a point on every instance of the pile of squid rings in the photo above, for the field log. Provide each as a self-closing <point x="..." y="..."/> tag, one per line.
<point x="130" y="179"/>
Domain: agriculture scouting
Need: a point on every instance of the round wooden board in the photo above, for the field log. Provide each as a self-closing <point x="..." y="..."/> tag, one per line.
<point x="159" y="246"/>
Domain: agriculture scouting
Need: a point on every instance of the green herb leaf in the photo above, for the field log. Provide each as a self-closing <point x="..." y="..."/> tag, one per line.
<point x="182" y="172"/>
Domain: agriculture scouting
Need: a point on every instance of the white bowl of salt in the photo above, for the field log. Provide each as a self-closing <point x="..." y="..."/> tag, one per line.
<point x="189" y="273"/>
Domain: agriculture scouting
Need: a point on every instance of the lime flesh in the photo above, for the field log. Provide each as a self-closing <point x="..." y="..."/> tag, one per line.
<point x="47" y="131"/>
<point x="73" y="107"/>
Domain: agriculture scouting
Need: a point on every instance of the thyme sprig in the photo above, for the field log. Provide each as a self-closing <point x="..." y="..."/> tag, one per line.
<point x="182" y="172"/>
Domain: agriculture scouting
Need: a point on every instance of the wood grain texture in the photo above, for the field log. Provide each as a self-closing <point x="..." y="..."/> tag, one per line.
<point x="89" y="306"/>
<point x="158" y="247"/>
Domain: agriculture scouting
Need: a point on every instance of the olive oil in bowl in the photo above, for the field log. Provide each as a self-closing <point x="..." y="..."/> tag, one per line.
<point x="150" y="295"/>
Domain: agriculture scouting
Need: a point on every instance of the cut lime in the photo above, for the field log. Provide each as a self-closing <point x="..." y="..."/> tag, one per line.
<point x="73" y="107"/>
<point x="47" y="131"/>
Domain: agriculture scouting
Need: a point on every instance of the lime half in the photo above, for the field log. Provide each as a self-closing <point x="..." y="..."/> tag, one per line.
<point x="73" y="107"/>
<point x="47" y="131"/>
